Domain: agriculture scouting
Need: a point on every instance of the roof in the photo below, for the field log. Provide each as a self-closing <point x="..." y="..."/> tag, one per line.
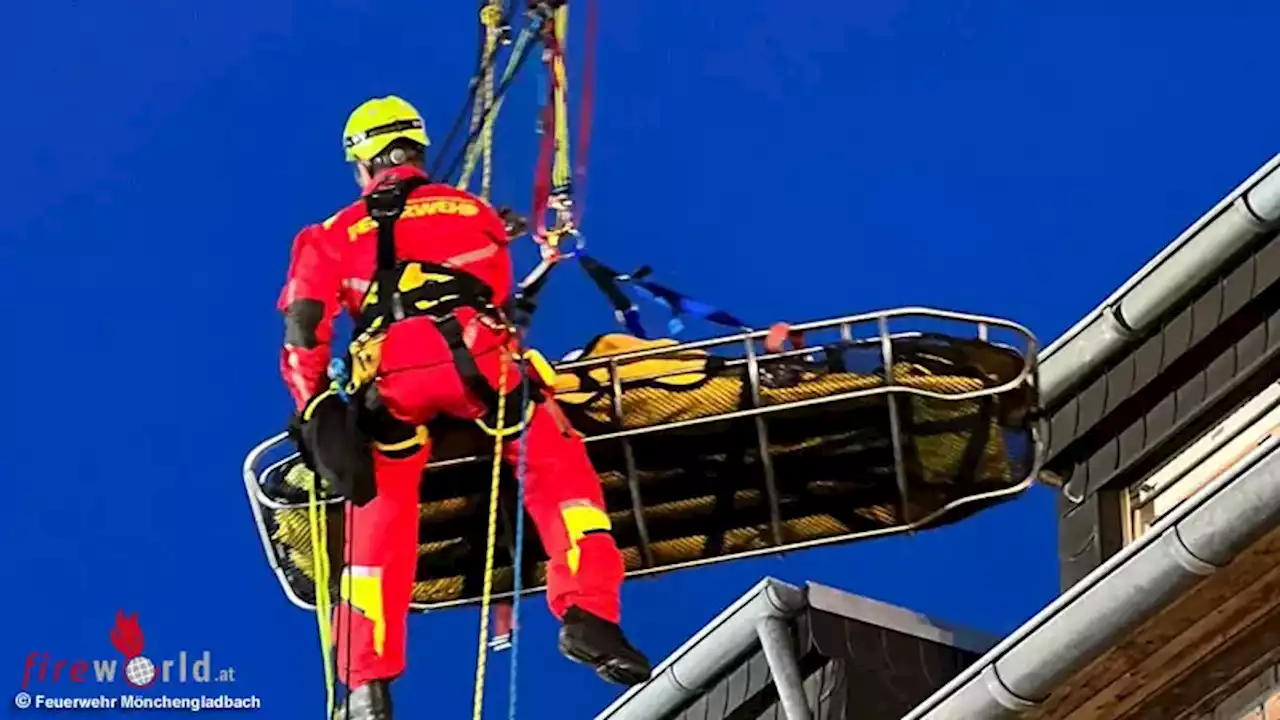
<point x="1189" y="338"/>
<point x="736" y="661"/>
<point x="1166" y="346"/>
<point x="1171" y="352"/>
<point x="712" y="650"/>
<point x="1194" y="541"/>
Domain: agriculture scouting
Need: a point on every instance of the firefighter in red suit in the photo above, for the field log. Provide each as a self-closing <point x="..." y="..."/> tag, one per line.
<point x="439" y="340"/>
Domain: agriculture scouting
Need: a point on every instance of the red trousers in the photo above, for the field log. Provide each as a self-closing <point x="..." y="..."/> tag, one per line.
<point x="417" y="382"/>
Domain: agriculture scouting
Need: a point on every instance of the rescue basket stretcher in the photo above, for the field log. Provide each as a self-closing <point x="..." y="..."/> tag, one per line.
<point x="718" y="449"/>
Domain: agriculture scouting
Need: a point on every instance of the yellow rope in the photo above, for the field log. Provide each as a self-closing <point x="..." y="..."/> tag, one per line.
<point x="491" y="18"/>
<point x="473" y="152"/>
<point x="477" y="111"/>
<point x="486" y="135"/>
<point x="486" y="595"/>
<point x="318" y="522"/>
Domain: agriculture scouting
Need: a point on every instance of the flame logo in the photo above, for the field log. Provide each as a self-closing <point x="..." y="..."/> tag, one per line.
<point x="126" y="636"/>
<point x="139" y="671"/>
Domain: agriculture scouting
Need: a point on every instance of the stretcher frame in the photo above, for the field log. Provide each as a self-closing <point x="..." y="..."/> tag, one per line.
<point x="263" y="459"/>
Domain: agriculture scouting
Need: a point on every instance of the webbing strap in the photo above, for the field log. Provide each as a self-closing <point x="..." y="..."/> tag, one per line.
<point x="552" y="186"/>
<point x="385" y="205"/>
<point x="512" y="418"/>
<point x="542" y="175"/>
<point x="561" y="173"/>
<point x="680" y="304"/>
<point x="606" y="280"/>
<point x="609" y="282"/>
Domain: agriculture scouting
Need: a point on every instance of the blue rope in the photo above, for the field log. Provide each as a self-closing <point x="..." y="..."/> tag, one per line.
<point x="517" y="563"/>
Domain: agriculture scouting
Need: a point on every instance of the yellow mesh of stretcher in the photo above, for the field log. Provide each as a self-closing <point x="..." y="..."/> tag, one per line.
<point x="675" y="388"/>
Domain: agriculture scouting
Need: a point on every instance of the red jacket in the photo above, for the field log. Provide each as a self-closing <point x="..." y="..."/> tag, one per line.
<point x="332" y="263"/>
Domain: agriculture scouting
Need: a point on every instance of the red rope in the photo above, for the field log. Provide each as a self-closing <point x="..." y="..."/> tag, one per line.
<point x="542" y="177"/>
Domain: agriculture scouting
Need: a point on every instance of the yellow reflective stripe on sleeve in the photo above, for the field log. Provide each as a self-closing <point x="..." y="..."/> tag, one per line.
<point x="362" y="590"/>
<point x="581" y="518"/>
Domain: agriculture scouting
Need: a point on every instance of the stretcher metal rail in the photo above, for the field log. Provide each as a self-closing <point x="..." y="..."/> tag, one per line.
<point x="275" y="453"/>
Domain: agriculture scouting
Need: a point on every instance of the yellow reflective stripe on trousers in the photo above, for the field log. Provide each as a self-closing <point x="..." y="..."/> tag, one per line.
<point x="362" y="590"/>
<point x="580" y="518"/>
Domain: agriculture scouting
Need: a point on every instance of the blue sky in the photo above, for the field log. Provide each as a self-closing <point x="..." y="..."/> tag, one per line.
<point x="785" y="160"/>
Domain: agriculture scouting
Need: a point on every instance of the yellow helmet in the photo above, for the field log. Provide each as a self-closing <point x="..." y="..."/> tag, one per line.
<point x="379" y="122"/>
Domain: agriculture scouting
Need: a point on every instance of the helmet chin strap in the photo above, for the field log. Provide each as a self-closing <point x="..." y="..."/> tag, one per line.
<point x="363" y="173"/>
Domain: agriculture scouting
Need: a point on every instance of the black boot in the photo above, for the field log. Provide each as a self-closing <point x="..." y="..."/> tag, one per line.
<point x="594" y="641"/>
<point x="371" y="701"/>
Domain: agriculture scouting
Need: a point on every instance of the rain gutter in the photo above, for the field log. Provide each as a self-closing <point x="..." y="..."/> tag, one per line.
<point x="1248" y="211"/>
<point x="1203" y="534"/>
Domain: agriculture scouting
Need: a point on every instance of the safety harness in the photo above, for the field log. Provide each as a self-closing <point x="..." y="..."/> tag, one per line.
<point x="406" y="289"/>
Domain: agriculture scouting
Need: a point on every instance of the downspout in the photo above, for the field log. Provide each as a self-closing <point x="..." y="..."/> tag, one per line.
<point x="692" y="668"/>
<point x="780" y="652"/>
